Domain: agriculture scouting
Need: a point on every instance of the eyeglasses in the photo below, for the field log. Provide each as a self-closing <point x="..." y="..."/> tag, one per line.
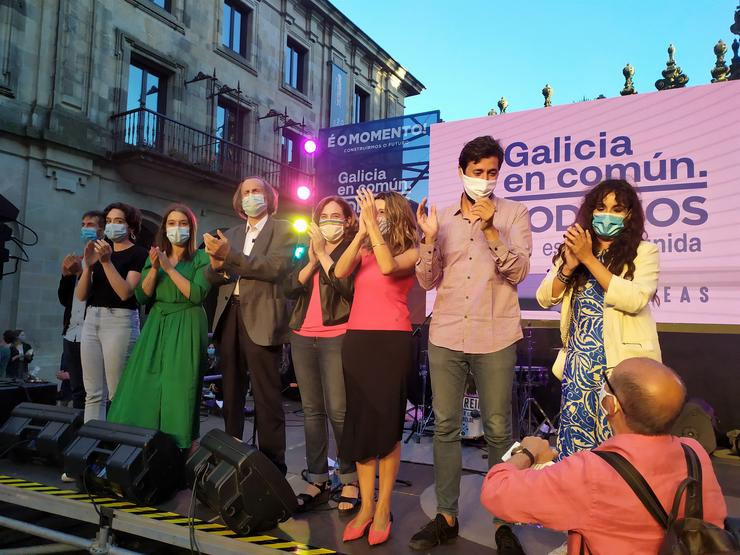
<point x="613" y="392"/>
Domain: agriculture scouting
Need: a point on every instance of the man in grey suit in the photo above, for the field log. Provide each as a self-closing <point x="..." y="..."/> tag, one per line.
<point x="249" y="264"/>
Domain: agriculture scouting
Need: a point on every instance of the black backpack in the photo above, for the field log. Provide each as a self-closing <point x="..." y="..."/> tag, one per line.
<point x="690" y="535"/>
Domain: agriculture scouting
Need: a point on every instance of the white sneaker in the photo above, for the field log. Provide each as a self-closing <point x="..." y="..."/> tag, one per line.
<point x="66" y="478"/>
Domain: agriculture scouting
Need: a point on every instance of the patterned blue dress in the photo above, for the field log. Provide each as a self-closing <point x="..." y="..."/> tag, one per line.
<point x="583" y="423"/>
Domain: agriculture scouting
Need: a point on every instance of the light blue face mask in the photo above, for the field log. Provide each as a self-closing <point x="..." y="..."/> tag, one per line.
<point x="88" y="234"/>
<point x="253" y="204"/>
<point x="178" y="235"/>
<point x="116" y="232"/>
<point x="607" y="225"/>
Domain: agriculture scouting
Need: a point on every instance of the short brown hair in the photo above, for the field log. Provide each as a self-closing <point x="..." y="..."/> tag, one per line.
<point x="164" y="243"/>
<point x="347" y="210"/>
<point x="481" y="147"/>
<point x="131" y="215"/>
<point x="271" y="196"/>
<point x="95" y="214"/>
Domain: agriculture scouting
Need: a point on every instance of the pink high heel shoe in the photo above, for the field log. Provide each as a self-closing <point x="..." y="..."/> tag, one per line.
<point x="352" y="532"/>
<point x="376" y="537"/>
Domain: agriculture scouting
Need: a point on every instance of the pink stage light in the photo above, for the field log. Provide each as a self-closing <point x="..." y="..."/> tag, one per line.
<point x="303" y="192"/>
<point x="310" y="146"/>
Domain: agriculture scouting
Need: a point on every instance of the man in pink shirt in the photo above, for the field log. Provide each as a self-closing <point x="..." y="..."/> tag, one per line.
<point x="475" y="253"/>
<point x="584" y="494"/>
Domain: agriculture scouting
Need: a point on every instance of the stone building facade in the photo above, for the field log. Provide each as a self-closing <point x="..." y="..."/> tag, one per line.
<point x="155" y="101"/>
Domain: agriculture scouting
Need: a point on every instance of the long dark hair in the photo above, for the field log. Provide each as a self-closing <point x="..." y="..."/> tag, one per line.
<point x="623" y="249"/>
<point x="164" y="243"/>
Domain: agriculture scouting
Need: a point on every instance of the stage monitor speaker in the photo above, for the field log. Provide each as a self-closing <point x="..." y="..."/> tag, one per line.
<point x="10" y="397"/>
<point x="37" y="431"/>
<point x="697" y="421"/>
<point x="139" y="464"/>
<point x="240" y="483"/>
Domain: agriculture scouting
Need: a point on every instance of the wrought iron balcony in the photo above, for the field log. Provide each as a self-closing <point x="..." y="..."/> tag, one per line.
<point x="145" y="131"/>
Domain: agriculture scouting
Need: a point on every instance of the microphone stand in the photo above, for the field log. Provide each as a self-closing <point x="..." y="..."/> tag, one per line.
<point x="419" y="426"/>
<point x="528" y="424"/>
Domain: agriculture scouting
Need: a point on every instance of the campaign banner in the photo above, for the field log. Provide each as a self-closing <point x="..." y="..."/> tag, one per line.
<point x="679" y="148"/>
<point x="339" y="97"/>
<point x="383" y="155"/>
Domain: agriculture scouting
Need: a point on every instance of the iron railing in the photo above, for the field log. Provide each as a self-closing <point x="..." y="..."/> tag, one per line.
<point x="145" y="130"/>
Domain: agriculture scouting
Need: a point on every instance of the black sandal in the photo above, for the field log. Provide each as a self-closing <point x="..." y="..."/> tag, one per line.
<point x="353" y="501"/>
<point x="306" y="501"/>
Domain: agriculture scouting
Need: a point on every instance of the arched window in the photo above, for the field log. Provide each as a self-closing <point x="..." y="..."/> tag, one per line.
<point x="150" y="222"/>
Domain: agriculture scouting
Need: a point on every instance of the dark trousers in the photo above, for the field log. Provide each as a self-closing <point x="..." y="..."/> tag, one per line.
<point x="239" y="355"/>
<point x="74" y="367"/>
<point x="318" y="370"/>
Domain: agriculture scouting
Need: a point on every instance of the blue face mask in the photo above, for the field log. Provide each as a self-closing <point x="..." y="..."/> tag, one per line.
<point x="253" y="204"/>
<point x="211" y="351"/>
<point x="178" y="235"/>
<point x="116" y="232"/>
<point x="607" y="225"/>
<point x="88" y="234"/>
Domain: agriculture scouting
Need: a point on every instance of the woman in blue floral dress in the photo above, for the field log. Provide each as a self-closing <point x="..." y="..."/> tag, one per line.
<point x="604" y="277"/>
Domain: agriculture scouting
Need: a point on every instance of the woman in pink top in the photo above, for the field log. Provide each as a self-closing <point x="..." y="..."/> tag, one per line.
<point x="319" y="320"/>
<point x="377" y="353"/>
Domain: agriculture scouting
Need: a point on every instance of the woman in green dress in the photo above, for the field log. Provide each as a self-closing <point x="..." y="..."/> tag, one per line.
<point x="160" y="386"/>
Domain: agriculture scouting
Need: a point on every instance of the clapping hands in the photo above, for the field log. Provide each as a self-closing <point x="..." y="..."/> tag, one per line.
<point x="428" y="223"/>
<point x="579" y="242"/>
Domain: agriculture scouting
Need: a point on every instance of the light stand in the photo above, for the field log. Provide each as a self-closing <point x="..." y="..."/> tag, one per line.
<point x="419" y="425"/>
<point x="527" y="423"/>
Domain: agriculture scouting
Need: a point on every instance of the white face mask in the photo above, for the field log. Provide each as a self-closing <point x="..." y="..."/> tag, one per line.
<point x="384" y="225"/>
<point x="332" y="230"/>
<point x="603" y="394"/>
<point x="477" y="188"/>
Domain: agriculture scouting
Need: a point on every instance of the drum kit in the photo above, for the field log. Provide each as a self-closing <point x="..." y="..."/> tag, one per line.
<point x="529" y="417"/>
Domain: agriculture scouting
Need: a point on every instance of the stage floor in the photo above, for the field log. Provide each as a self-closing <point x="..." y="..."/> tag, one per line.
<point x="413" y="503"/>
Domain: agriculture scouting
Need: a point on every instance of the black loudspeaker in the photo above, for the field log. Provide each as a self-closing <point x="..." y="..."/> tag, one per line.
<point x="240" y="483"/>
<point x="10" y="397"/>
<point x="36" y="431"/>
<point x="697" y="421"/>
<point x="8" y="210"/>
<point x="13" y="392"/>
<point x="140" y="464"/>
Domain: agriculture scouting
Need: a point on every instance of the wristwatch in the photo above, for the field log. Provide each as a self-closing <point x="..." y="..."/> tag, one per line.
<point x="524" y="451"/>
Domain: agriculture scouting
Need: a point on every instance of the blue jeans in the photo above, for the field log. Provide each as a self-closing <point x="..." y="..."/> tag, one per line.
<point x="494" y="375"/>
<point x="318" y="370"/>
